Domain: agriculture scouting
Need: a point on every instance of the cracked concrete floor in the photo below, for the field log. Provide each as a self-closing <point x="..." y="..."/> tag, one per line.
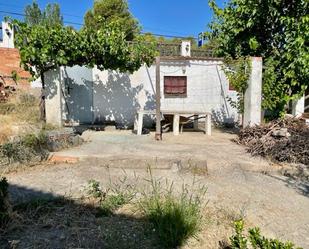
<point x="236" y="182"/>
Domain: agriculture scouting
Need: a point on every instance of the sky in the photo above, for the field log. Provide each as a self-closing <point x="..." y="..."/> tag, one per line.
<point x="167" y="17"/>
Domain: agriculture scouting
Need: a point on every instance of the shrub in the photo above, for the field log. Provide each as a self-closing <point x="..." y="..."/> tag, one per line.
<point x="33" y="141"/>
<point x="25" y="148"/>
<point x="255" y="239"/>
<point x="10" y="151"/>
<point x="175" y="218"/>
<point x="4" y="206"/>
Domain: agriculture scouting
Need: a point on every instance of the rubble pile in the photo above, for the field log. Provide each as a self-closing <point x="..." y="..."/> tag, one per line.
<point x="284" y="140"/>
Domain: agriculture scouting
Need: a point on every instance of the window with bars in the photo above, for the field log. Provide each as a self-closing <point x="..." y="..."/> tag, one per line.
<point x="175" y="86"/>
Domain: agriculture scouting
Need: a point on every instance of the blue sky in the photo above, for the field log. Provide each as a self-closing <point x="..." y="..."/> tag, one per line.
<point x="169" y="17"/>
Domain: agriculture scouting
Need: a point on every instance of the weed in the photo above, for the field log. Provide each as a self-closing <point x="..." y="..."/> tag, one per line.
<point x="111" y="203"/>
<point x="93" y="189"/>
<point x="239" y="240"/>
<point x="175" y="218"/>
<point x="255" y="239"/>
<point x="110" y="199"/>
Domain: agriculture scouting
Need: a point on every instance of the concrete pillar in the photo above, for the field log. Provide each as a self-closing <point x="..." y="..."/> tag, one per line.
<point x="186" y="48"/>
<point x="208" y="124"/>
<point x="253" y="95"/>
<point x="298" y="107"/>
<point x="7" y="36"/>
<point x="176" y="124"/>
<point x="53" y="96"/>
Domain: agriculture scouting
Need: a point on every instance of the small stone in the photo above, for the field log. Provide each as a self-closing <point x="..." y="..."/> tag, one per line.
<point x="283" y="132"/>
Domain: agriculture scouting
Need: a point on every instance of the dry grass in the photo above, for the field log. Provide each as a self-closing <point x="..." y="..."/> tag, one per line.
<point x="5" y="128"/>
<point x="64" y="223"/>
<point x="19" y="116"/>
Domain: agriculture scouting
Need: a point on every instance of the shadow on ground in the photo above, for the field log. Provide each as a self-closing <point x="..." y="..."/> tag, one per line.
<point x="49" y="221"/>
<point x="299" y="185"/>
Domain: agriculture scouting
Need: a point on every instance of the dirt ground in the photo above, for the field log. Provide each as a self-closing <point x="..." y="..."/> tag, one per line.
<point x="239" y="186"/>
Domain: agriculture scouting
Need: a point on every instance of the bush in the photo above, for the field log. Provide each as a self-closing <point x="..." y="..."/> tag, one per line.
<point x="255" y="239"/>
<point x="4" y="206"/>
<point x="35" y="142"/>
<point x="25" y="148"/>
<point x="175" y="218"/>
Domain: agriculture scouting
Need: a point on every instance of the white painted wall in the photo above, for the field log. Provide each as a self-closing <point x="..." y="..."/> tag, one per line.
<point x="7" y="36"/>
<point x="53" y="105"/>
<point x="298" y="107"/>
<point x="253" y="94"/>
<point x="117" y="96"/>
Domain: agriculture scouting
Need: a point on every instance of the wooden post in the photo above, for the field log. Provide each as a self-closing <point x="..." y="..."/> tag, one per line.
<point x="158" y="135"/>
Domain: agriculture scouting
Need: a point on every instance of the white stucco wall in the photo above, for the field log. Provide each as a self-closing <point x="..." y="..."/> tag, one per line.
<point x="7" y="36"/>
<point x="253" y="94"/>
<point x="117" y="96"/>
<point x="52" y="92"/>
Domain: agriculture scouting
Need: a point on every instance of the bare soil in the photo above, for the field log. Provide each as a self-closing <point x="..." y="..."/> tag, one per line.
<point x="239" y="186"/>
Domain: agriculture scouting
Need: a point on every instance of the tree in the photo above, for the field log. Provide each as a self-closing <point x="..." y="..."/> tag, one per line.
<point x="107" y="11"/>
<point x="33" y="14"/>
<point x="43" y="49"/>
<point x="51" y="16"/>
<point x="277" y="30"/>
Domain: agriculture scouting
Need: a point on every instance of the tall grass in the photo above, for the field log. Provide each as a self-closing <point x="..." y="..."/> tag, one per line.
<point x="21" y="111"/>
<point x="175" y="217"/>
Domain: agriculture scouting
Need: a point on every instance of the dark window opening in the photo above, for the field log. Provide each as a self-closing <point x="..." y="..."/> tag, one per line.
<point x="175" y="86"/>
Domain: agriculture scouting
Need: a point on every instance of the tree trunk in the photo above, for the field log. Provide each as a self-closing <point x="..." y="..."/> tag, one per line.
<point x="42" y="102"/>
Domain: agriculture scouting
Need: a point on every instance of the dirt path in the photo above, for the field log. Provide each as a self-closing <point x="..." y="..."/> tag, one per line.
<point x="237" y="183"/>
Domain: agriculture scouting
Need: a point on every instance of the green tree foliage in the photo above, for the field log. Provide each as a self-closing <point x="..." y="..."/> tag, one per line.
<point x="33" y="14"/>
<point x="107" y="11"/>
<point x="277" y="30"/>
<point x="47" y="44"/>
<point x="238" y="73"/>
<point x="51" y="16"/>
<point x="43" y="48"/>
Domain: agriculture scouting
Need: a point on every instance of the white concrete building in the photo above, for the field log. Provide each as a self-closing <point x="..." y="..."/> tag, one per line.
<point x="79" y="95"/>
<point x="90" y="96"/>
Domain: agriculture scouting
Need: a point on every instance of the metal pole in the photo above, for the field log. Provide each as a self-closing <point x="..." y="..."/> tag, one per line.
<point x="158" y="135"/>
